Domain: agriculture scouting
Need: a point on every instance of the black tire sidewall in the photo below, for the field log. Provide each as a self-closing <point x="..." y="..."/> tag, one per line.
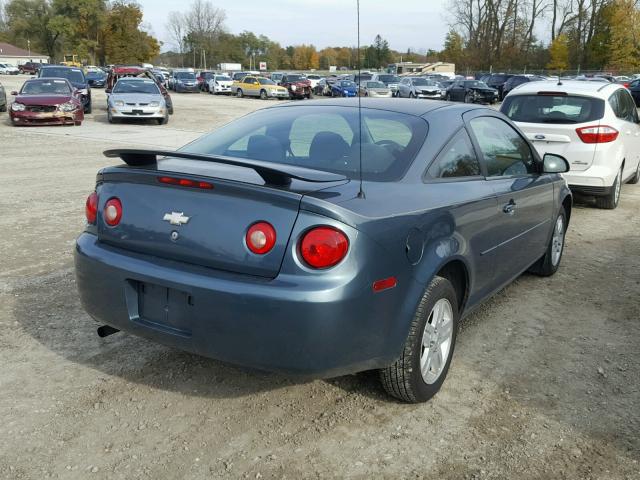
<point x="439" y="288"/>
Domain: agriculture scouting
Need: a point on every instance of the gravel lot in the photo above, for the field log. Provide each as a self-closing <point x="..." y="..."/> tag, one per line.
<point x="545" y="381"/>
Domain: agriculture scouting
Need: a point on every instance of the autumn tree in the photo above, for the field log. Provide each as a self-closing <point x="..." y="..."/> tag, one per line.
<point x="624" y="38"/>
<point x="305" y="57"/>
<point x="559" y="54"/>
<point x="124" y="41"/>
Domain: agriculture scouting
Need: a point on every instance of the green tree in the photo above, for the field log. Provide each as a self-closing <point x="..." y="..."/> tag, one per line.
<point x="453" y="48"/>
<point x="559" y="53"/>
<point x="83" y="35"/>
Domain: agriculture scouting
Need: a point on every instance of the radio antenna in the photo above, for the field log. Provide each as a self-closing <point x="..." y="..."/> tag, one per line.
<point x="360" y="192"/>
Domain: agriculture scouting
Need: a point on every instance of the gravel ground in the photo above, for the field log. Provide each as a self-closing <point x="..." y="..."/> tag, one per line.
<point x="544" y="381"/>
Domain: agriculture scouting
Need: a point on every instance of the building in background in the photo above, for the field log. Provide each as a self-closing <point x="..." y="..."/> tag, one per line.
<point x="410" y="68"/>
<point x="17" y="56"/>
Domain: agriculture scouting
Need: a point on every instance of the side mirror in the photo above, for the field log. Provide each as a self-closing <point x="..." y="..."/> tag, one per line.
<point x="553" y="163"/>
<point x="14" y="93"/>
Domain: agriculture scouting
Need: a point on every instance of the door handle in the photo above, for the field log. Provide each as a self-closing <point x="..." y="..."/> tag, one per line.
<point x="509" y="208"/>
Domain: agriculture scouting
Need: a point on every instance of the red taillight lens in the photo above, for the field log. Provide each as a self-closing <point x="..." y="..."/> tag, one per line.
<point x="597" y="134"/>
<point x="324" y="247"/>
<point x="261" y="238"/>
<point x="112" y="212"/>
<point x="91" y="208"/>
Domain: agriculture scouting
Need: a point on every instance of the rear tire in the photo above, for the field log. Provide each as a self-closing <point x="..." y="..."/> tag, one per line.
<point x="550" y="262"/>
<point x="636" y="178"/>
<point x="429" y="344"/>
<point x="239" y="93"/>
<point x="611" y="201"/>
<point x="263" y="95"/>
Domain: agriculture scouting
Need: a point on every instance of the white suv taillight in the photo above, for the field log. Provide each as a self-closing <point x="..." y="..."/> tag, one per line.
<point x="597" y="134"/>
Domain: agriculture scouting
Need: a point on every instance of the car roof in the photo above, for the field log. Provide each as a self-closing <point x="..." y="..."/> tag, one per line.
<point x="576" y="87"/>
<point x="410" y="107"/>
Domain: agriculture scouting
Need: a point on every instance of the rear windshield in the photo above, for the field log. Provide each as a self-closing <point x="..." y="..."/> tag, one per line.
<point x="294" y="78"/>
<point x="74" y="75"/>
<point x="136" y="86"/>
<point x="475" y="84"/>
<point x="222" y="78"/>
<point x="323" y="138"/>
<point x="266" y="81"/>
<point x="552" y="108"/>
<point x="388" y="78"/>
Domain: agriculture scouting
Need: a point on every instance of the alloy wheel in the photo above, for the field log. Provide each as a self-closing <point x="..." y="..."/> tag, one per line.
<point x="557" y="242"/>
<point x="436" y="341"/>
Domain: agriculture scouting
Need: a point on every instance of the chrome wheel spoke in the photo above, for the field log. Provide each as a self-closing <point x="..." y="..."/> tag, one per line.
<point x="436" y="341"/>
<point x="446" y="329"/>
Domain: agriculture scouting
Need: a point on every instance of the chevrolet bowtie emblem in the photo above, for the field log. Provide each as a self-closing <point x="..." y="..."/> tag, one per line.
<point x="175" y="218"/>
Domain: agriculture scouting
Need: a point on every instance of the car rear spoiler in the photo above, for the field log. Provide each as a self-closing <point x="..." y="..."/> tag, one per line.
<point x="278" y="174"/>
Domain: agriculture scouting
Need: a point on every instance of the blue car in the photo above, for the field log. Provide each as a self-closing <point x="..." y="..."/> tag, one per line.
<point x="344" y="88"/>
<point x="285" y="241"/>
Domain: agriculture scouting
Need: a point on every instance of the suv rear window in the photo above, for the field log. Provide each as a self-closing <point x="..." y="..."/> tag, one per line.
<point x="564" y="109"/>
<point x="322" y="138"/>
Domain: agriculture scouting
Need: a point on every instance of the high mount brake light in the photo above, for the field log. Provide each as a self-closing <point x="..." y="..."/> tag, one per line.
<point x="112" y="213"/>
<point x="323" y="247"/>
<point x="91" y="208"/>
<point x="597" y="134"/>
<point x="185" y="182"/>
<point x="261" y="238"/>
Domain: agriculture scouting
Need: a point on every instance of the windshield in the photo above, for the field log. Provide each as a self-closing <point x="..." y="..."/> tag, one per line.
<point x="552" y="108"/>
<point x="388" y="78"/>
<point x="74" y="75"/>
<point x="41" y="87"/>
<point x="423" y="82"/>
<point x="347" y="84"/>
<point x="185" y="76"/>
<point x="294" y="78"/>
<point x="376" y="85"/>
<point x="96" y="75"/>
<point x="265" y="81"/>
<point x="475" y="84"/>
<point x="136" y="86"/>
<point x="323" y="138"/>
<point x="222" y="78"/>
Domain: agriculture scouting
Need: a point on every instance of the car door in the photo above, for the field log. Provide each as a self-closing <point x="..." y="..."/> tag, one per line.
<point x="457" y="92"/>
<point x="469" y="206"/>
<point x="250" y="87"/>
<point x="403" y="88"/>
<point x="630" y="133"/>
<point x="634" y="88"/>
<point x="525" y="196"/>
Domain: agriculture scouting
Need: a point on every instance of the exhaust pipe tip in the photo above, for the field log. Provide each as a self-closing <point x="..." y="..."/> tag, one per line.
<point x="106" y="330"/>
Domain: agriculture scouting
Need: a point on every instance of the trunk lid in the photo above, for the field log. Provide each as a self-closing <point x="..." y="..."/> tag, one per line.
<point x="209" y="225"/>
<point x="561" y="139"/>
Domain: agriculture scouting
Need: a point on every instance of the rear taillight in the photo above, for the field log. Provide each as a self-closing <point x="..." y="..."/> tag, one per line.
<point x="91" y="208"/>
<point x="261" y="238"/>
<point x="323" y="247"/>
<point x="597" y="134"/>
<point x="112" y="212"/>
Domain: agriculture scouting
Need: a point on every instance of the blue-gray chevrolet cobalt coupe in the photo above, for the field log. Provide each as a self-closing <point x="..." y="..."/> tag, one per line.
<point x="320" y="239"/>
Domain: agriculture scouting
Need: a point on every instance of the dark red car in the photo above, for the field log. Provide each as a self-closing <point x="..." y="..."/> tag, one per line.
<point x="47" y="101"/>
<point x="121" y="71"/>
<point x="298" y="86"/>
<point x="30" y="68"/>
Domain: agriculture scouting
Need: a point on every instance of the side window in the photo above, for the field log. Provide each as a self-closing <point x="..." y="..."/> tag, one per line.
<point x="629" y="112"/>
<point x="457" y="159"/>
<point x="615" y="104"/>
<point x="504" y="151"/>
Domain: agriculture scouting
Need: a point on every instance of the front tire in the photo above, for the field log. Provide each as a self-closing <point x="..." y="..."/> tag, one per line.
<point x="548" y="265"/>
<point x="239" y="93"/>
<point x="425" y="359"/>
<point x="611" y="201"/>
<point x="263" y="95"/>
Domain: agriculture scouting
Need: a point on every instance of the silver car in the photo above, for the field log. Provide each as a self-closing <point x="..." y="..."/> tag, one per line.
<point x="419" y="87"/>
<point x="136" y="98"/>
<point x="375" y="90"/>
<point x="390" y="80"/>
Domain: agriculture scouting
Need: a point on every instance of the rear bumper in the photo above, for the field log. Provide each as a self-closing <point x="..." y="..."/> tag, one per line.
<point x="288" y="324"/>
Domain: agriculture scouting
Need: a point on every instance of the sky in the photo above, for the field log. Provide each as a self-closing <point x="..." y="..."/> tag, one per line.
<point x="415" y="24"/>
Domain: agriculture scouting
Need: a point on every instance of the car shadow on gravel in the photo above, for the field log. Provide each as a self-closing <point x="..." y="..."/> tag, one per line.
<point x="49" y="310"/>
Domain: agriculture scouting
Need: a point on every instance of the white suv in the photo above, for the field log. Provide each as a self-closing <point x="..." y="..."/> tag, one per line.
<point x="594" y="125"/>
